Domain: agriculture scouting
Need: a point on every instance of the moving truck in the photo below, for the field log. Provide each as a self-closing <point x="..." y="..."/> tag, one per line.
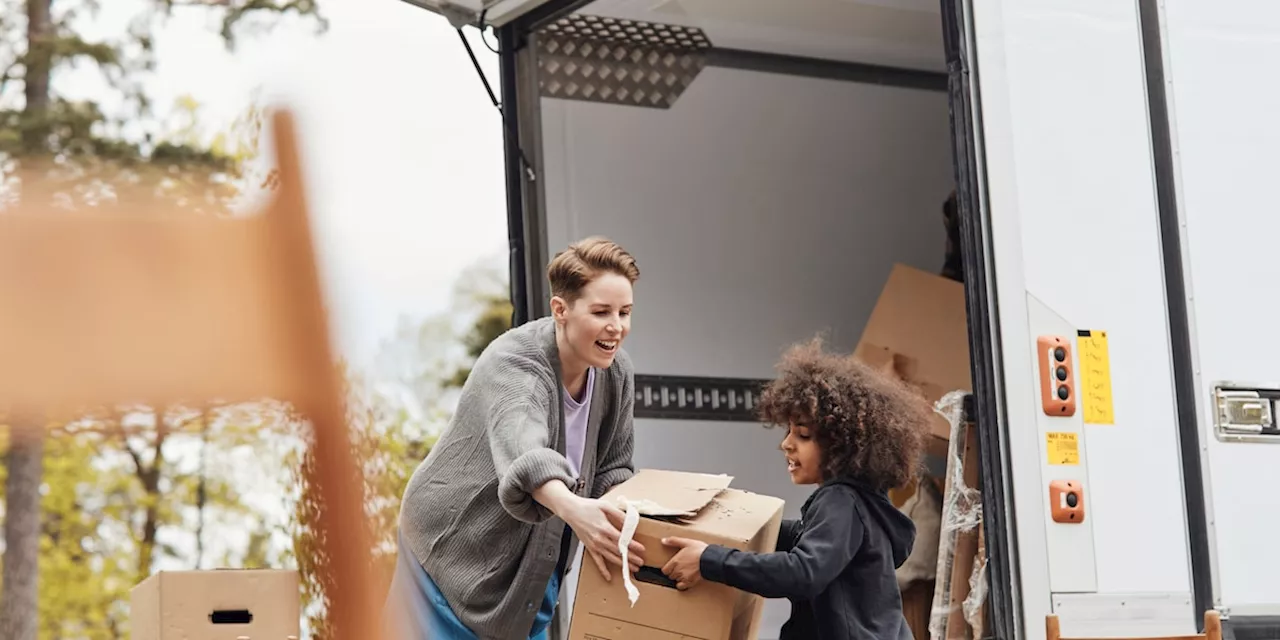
<point x="769" y="162"/>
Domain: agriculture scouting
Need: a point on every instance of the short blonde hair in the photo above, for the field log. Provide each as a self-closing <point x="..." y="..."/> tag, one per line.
<point x="584" y="260"/>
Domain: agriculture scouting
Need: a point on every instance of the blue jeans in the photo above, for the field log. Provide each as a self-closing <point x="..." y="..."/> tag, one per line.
<point x="416" y="607"/>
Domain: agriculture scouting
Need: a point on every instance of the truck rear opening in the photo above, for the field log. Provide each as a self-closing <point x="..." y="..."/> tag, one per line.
<point x="769" y="171"/>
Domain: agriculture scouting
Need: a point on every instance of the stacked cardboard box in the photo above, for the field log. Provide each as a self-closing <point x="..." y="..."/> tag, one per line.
<point x="217" y="605"/>
<point x="919" y="332"/>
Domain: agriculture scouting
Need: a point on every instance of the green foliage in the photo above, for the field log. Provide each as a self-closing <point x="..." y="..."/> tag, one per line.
<point x="112" y="486"/>
<point x="393" y="431"/>
<point x="83" y="586"/>
<point x="387" y="449"/>
<point x="493" y="319"/>
<point x="86" y="152"/>
<point x="126" y="489"/>
<point x="481" y="294"/>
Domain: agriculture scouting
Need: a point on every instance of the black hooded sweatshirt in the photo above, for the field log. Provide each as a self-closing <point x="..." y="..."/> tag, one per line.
<point x="836" y="566"/>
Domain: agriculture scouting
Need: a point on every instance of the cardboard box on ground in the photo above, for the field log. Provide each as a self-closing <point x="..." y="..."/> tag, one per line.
<point x="688" y="505"/>
<point x="220" y="604"/>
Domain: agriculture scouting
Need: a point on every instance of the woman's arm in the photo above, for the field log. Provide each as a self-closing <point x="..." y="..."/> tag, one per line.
<point x="615" y="465"/>
<point x="517" y="393"/>
<point x="832" y="535"/>
<point x="534" y="478"/>
<point x="597" y="524"/>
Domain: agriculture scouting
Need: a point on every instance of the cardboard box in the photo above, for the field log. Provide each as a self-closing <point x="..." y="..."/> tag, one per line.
<point x="688" y="505"/>
<point x="919" y="332"/>
<point x="223" y="604"/>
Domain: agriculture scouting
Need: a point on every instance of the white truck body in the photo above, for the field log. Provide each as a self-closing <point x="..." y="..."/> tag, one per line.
<point x="1111" y="160"/>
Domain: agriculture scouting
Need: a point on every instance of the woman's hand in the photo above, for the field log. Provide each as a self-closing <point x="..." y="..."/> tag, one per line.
<point x="597" y="524"/>
<point x="686" y="566"/>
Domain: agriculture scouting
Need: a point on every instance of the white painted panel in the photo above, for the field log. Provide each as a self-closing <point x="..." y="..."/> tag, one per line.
<point x="761" y="209"/>
<point x="1130" y="615"/>
<point x="1072" y="549"/>
<point x="1085" y="202"/>
<point x="1221" y="65"/>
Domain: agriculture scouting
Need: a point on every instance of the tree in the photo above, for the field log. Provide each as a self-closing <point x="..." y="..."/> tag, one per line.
<point x="482" y="293"/>
<point x="68" y="153"/>
<point x="120" y="489"/>
<point x="421" y="366"/>
<point x="394" y="419"/>
<point x="90" y="584"/>
<point x="387" y="448"/>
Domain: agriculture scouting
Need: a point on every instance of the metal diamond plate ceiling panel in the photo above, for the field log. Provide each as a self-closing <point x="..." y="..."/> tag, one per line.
<point x="616" y="61"/>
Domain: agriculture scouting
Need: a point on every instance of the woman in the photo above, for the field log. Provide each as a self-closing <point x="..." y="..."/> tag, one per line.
<point x="542" y="430"/>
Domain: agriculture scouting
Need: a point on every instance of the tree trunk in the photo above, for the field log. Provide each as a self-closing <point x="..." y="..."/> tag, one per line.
<point x="20" y="594"/>
<point x="149" y="477"/>
<point x="20" y="597"/>
<point x="38" y="71"/>
<point x="201" y="490"/>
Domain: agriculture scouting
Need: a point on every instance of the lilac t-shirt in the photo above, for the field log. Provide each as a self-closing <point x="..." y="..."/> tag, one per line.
<point x="575" y="422"/>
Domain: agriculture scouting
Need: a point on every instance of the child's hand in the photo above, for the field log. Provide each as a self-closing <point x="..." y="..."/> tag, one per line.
<point x="686" y="567"/>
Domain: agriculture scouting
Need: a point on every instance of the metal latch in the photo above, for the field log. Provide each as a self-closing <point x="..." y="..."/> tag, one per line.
<point x="1244" y="412"/>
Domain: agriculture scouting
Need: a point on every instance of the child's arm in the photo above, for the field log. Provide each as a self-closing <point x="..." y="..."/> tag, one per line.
<point x="832" y="534"/>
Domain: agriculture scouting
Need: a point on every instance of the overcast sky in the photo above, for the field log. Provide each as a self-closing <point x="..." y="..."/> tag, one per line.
<point x="403" y="147"/>
<point x="403" y="151"/>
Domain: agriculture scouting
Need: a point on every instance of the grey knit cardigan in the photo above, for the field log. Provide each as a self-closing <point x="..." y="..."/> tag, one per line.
<point x="468" y="513"/>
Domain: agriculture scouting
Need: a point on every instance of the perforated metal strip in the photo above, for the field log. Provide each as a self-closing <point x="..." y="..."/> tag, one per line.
<point x="694" y="398"/>
<point x="628" y="62"/>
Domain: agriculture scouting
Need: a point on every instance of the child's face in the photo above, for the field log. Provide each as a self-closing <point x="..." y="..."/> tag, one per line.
<point x="804" y="459"/>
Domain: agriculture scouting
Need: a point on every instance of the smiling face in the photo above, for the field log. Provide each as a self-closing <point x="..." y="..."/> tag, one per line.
<point x="804" y="458"/>
<point x="593" y="326"/>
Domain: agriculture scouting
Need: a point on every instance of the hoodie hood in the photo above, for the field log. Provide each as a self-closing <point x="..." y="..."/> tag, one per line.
<point x="898" y="527"/>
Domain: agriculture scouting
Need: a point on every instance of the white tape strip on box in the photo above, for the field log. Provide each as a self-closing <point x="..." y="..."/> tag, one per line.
<point x="633" y="508"/>
<point x="624" y="547"/>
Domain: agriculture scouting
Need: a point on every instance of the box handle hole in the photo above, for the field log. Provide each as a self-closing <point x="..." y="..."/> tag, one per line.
<point x="654" y="575"/>
<point x="231" y="616"/>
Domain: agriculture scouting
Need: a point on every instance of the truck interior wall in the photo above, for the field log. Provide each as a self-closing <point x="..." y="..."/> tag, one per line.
<point x="1218" y="58"/>
<point x="762" y="209"/>
<point x="1076" y="243"/>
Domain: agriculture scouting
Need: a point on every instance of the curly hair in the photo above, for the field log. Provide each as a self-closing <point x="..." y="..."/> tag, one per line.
<point x="868" y="426"/>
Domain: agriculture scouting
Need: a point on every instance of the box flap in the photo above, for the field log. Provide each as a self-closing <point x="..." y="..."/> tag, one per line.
<point x="736" y="515"/>
<point x="661" y="493"/>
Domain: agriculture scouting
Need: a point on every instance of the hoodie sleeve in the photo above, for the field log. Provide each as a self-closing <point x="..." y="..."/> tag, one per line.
<point x="832" y="533"/>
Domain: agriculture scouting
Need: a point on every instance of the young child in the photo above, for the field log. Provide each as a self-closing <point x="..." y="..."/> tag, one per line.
<point x="855" y="434"/>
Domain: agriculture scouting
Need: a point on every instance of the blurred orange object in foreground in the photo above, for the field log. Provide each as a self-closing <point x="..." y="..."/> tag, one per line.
<point x="111" y="305"/>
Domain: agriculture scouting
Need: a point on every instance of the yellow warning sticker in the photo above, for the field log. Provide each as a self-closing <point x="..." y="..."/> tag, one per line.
<point x="1095" y="377"/>
<point x="1064" y="448"/>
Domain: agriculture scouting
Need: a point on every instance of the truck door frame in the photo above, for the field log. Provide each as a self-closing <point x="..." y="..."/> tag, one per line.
<point x="986" y="406"/>
<point x="1178" y="310"/>
<point x="988" y="398"/>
